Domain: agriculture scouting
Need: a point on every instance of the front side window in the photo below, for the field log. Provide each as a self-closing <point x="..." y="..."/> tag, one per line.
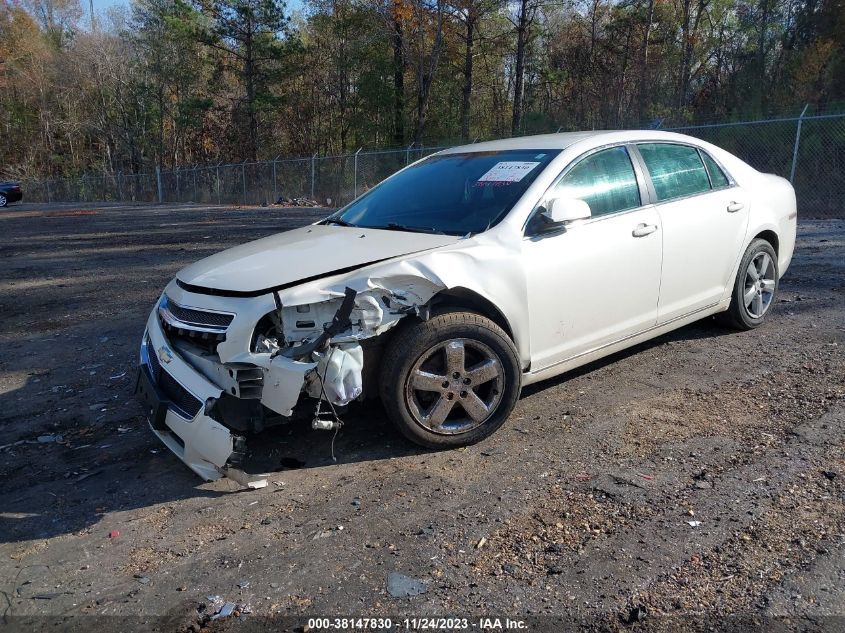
<point x="454" y="194"/>
<point x="605" y="180"/>
<point x="676" y="170"/>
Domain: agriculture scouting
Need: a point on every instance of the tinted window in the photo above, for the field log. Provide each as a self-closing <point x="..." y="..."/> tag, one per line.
<point x="676" y="170"/>
<point x="605" y="180"/>
<point x="717" y="176"/>
<point x="451" y="193"/>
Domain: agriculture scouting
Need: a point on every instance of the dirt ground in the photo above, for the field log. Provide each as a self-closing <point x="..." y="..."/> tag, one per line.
<point x="695" y="481"/>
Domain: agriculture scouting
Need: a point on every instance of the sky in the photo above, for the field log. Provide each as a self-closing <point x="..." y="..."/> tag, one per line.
<point x="101" y="5"/>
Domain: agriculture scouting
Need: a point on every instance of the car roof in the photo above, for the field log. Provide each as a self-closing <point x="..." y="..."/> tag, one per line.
<point x="563" y="140"/>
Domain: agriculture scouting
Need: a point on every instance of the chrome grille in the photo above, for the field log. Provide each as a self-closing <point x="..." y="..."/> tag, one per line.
<point x="184" y="318"/>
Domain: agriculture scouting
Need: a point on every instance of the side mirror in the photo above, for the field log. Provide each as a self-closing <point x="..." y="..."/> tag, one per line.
<point x="561" y="210"/>
<point x="556" y="213"/>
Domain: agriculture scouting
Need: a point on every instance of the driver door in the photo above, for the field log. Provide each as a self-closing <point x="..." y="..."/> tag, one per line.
<point x="594" y="281"/>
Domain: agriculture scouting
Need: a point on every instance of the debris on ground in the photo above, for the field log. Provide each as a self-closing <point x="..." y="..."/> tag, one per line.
<point x="296" y="202"/>
<point x="636" y="614"/>
<point x="401" y="586"/>
<point x="225" y="611"/>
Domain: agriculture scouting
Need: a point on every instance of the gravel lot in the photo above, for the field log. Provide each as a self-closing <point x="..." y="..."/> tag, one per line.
<point x="695" y="477"/>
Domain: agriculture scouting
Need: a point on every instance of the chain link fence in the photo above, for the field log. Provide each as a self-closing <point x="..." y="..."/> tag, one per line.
<point x="810" y="151"/>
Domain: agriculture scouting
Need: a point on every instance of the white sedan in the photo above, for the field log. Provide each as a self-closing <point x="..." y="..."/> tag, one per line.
<point x="457" y="281"/>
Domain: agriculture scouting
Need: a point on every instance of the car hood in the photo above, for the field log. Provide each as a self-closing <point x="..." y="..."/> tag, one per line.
<point x="300" y="255"/>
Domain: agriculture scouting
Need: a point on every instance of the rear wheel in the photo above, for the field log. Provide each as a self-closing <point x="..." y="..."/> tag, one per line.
<point x="755" y="287"/>
<point x="451" y="380"/>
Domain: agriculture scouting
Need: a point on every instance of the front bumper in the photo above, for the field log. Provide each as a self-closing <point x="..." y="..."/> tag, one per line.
<point x="203" y="443"/>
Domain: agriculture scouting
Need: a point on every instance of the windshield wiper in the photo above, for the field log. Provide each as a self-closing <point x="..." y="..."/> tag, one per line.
<point x="394" y="226"/>
<point x="338" y="222"/>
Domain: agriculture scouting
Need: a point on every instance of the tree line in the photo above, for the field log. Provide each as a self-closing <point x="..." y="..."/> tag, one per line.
<point x="169" y="83"/>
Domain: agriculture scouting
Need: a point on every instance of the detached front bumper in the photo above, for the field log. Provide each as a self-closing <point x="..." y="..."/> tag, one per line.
<point x="177" y="399"/>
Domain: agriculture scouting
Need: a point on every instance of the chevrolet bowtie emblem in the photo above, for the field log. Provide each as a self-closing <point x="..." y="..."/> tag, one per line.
<point x="165" y="355"/>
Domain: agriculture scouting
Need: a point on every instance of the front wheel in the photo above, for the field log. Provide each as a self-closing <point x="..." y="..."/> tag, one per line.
<point x="755" y="287"/>
<point x="451" y="380"/>
<point x="3" y="200"/>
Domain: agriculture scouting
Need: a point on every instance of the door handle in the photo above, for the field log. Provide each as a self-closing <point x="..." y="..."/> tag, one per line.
<point x="733" y="207"/>
<point x="644" y="229"/>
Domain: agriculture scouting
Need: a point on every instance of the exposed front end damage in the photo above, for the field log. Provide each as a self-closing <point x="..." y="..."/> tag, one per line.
<point x="214" y="368"/>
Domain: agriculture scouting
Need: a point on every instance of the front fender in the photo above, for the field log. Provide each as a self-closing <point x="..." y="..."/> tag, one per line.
<point x="484" y="267"/>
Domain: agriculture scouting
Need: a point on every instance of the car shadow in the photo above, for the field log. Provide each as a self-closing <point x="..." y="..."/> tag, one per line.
<point x="707" y="328"/>
<point x="368" y="435"/>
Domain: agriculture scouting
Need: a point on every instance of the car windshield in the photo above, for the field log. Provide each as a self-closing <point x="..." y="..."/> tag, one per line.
<point x="454" y="194"/>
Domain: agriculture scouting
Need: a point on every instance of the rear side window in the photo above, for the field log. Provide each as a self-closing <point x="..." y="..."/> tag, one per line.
<point x="676" y="170"/>
<point x="605" y="180"/>
<point x="717" y="176"/>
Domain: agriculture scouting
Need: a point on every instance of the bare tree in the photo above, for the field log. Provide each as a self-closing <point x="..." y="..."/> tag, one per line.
<point x="526" y="13"/>
<point x="427" y="59"/>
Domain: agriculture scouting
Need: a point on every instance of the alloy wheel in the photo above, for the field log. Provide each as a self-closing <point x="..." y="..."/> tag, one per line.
<point x="759" y="285"/>
<point x="455" y="386"/>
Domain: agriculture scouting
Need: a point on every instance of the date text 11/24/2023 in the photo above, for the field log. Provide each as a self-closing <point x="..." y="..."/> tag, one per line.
<point x="417" y="624"/>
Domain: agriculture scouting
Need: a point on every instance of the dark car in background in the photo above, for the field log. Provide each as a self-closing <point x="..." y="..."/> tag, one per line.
<point x="10" y="192"/>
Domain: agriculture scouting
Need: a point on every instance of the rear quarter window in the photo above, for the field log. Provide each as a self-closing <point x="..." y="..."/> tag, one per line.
<point x="676" y="170"/>
<point x="717" y="176"/>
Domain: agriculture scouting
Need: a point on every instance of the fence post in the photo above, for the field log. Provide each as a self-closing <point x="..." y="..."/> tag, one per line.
<point x="313" y="173"/>
<point x="275" y="186"/>
<point x="243" y="178"/>
<point x="218" y="183"/>
<point x="195" y="185"/>
<point x="47" y="184"/>
<point x="119" y="186"/>
<point x="158" y="184"/>
<point x="408" y="154"/>
<point x="797" y="140"/>
<point x="355" y="174"/>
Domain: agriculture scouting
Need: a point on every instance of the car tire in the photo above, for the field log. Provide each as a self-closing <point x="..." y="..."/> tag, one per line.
<point x="3" y="200"/>
<point x="755" y="287"/>
<point x="451" y="380"/>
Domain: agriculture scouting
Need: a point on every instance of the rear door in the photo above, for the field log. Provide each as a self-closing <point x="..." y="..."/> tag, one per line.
<point x="704" y="216"/>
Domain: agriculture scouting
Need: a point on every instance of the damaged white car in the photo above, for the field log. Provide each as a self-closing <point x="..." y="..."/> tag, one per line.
<point x="457" y="281"/>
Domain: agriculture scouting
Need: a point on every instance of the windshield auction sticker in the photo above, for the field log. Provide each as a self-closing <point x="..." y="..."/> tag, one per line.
<point x="508" y="171"/>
